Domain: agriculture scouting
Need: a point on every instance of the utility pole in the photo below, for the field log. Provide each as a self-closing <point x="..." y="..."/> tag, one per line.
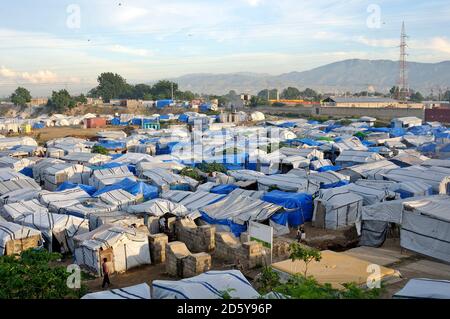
<point x="171" y="88"/>
<point x="403" y="90"/>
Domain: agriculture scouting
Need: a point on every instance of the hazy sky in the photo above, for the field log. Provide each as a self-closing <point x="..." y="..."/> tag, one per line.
<point x="57" y="43"/>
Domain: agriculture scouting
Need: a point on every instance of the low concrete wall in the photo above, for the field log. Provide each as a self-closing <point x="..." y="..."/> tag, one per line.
<point x="438" y="114"/>
<point x="379" y="113"/>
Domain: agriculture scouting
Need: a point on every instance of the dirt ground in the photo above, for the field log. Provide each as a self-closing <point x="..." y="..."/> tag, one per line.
<point x="49" y="133"/>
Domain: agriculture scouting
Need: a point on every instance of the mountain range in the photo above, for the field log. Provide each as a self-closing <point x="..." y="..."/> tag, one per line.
<point x="347" y="75"/>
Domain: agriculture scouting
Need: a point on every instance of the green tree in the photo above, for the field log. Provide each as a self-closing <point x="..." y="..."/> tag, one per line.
<point x="142" y="92"/>
<point x="446" y="96"/>
<point x="98" y="149"/>
<point x="264" y="94"/>
<point x="81" y="99"/>
<point x="163" y="89"/>
<point x="60" y="102"/>
<point x="34" y="275"/>
<point x="290" y="93"/>
<point x="111" y="86"/>
<point x="306" y="254"/>
<point x="417" y="97"/>
<point x="309" y="93"/>
<point x="21" y="97"/>
<point x="394" y="91"/>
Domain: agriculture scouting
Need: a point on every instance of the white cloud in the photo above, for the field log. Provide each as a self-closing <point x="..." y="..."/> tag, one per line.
<point x="42" y="76"/>
<point x="254" y="3"/>
<point x="440" y="44"/>
<point x="383" y="43"/>
<point x="130" y="51"/>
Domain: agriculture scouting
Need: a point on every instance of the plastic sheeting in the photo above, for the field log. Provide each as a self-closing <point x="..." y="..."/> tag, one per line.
<point x="133" y="187"/>
<point x="297" y="206"/>
<point x="209" y="285"/>
<point x="141" y="291"/>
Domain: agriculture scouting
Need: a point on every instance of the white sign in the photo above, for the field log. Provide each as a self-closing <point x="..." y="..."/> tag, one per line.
<point x="261" y="233"/>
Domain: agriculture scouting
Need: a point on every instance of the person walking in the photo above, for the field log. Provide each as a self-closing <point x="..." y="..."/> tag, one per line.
<point x="105" y="269"/>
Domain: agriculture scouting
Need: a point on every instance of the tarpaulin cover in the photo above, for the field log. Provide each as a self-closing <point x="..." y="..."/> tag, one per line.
<point x="163" y="103"/>
<point x="309" y="142"/>
<point x="183" y="118"/>
<point x="38" y="125"/>
<point x="332" y="127"/>
<point x="235" y="228"/>
<point x="27" y="171"/>
<point x="397" y="132"/>
<point x="420" y="130"/>
<point x="68" y="185"/>
<point x="329" y="168"/>
<point x="380" y="129"/>
<point x="223" y="189"/>
<point x="107" y="165"/>
<point x="132" y="187"/>
<point x="427" y="148"/>
<point x="111" y="145"/>
<point x="298" y="206"/>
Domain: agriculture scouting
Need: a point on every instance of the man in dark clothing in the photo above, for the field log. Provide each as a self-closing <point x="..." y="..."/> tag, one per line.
<point x="105" y="269"/>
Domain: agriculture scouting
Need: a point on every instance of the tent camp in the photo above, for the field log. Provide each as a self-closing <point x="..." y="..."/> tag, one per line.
<point x="234" y="211"/>
<point x="422" y="288"/>
<point x="165" y="180"/>
<point x="350" y="158"/>
<point x="426" y="227"/>
<point x="141" y="291"/>
<point x="336" y="208"/>
<point x="209" y="285"/>
<point x="84" y="158"/>
<point x="57" y="230"/>
<point x="104" y="177"/>
<point x="57" y="201"/>
<point x="15" y="238"/>
<point x="192" y="200"/>
<point x="56" y="174"/>
<point x="124" y="248"/>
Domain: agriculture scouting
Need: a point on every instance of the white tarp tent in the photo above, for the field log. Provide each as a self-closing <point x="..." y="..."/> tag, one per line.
<point x="104" y="177"/>
<point x="11" y="231"/>
<point x="241" y="209"/>
<point x="422" y="288"/>
<point x="426" y="227"/>
<point x="209" y="285"/>
<point x="126" y="248"/>
<point x="192" y="200"/>
<point x="158" y="207"/>
<point x="336" y="208"/>
<point x="141" y="291"/>
<point x="165" y="179"/>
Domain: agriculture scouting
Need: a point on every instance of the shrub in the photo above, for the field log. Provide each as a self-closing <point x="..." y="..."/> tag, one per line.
<point x="33" y="275"/>
<point x="192" y="173"/>
<point x="212" y="167"/>
<point x="98" y="149"/>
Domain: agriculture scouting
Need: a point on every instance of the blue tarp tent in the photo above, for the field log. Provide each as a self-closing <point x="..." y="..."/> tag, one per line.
<point x="38" y="125"/>
<point x="115" y="121"/>
<point x="235" y="228"/>
<point x="309" y="142"/>
<point x="132" y="187"/>
<point x="397" y="132"/>
<point x="163" y="103"/>
<point x="68" y="185"/>
<point x="329" y="168"/>
<point x="223" y="189"/>
<point x="27" y="171"/>
<point x="380" y="129"/>
<point x="111" y="145"/>
<point x="298" y="206"/>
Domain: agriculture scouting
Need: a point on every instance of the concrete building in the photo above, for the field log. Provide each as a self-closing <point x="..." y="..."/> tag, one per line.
<point x="367" y="102"/>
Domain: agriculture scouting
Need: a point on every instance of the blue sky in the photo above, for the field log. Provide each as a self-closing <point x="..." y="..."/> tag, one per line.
<point x="46" y="44"/>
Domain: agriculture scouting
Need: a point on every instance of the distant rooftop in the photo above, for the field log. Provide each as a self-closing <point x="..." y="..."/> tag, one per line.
<point x="353" y="99"/>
